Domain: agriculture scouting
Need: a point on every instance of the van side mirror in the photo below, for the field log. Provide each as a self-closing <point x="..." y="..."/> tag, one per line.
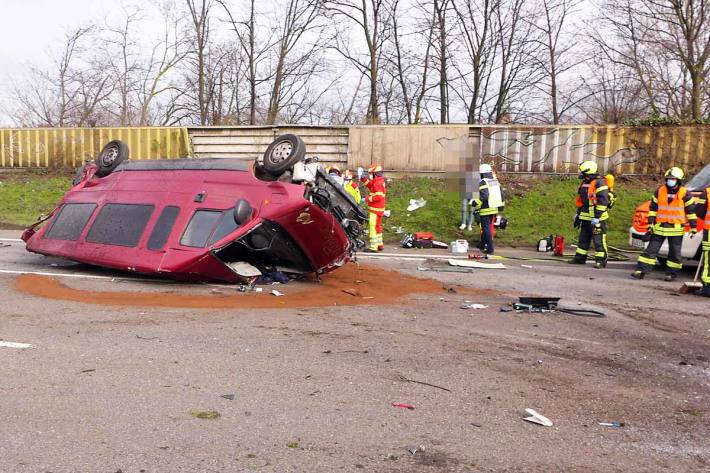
<point x="242" y="211"/>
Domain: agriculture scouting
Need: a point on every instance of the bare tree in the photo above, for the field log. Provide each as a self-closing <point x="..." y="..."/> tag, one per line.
<point x="200" y="11"/>
<point x="476" y="30"/>
<point x="373" y="20"/>
<point x="558" y="55"/>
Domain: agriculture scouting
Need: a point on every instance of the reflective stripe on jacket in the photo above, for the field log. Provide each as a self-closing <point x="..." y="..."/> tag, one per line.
<point x="669" y="212"/>
<point x="593" y="199"/>
<point x="376" y="199"/>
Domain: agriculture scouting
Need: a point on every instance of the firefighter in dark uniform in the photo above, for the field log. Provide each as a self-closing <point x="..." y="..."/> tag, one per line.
<point x="487" y="206"/>
<point x="702" y="208"/>
<point x="671" y="207"/>
<point x="592" y="214"/>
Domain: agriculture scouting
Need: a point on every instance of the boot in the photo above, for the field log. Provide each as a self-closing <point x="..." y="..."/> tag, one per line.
<point x="670" y="277"/>
<point x="705" y="291"/>
<point x="575" y="261"/>
<point x="600" y="265"/>
<point x="638" y="274"/>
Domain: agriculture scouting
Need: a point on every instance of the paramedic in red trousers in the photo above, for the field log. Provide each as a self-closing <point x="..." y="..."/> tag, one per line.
<point x="702" y="207"/>
<point x="375" y="200"/>
<point x="592" y="213"/>
<point x="671" y="207"/>
<point x="487" y="205"/>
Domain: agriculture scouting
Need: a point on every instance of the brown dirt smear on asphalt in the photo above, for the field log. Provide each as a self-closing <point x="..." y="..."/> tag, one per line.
<point x="370" y="284"/>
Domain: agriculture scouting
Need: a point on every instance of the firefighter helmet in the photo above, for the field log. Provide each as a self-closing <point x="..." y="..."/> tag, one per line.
<point x="485" y="168"/>
<point x="588" y="167"/>
<point x="675" y="172"/>
<point x="374" y="169"/>
<point x="334" y="169"/>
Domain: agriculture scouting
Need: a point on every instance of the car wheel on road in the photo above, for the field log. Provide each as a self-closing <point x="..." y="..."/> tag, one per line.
<point x="283" y="153"/>
<point x="113" y="154"/>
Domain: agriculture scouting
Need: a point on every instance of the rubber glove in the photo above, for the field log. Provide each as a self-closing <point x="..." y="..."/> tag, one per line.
<point x="595" y="222"/>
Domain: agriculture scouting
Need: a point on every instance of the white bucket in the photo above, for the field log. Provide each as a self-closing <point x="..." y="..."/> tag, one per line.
<point x="459" y="246"/>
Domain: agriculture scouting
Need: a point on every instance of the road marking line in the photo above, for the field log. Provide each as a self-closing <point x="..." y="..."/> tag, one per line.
<point x="15" y="345"/>
<point x="66" y="275"/>
<point x="11" y="239"/>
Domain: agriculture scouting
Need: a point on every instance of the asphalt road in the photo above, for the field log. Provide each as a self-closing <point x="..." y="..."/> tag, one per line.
<point x="108" y="389"/>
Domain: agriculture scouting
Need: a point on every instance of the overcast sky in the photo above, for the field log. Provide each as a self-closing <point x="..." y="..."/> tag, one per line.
<point x="31" y="28"/>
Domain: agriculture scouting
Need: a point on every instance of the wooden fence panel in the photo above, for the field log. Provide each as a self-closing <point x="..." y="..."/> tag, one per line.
<point x="70" y="147"/>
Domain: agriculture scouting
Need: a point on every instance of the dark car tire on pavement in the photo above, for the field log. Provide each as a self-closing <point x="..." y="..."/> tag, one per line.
<point x="283" y="153"/>
<point x="111" y="155"/>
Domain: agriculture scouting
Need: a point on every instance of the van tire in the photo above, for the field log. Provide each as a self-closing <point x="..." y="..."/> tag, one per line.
<point x="111" y="155"/>
<point x="283" y="153"/>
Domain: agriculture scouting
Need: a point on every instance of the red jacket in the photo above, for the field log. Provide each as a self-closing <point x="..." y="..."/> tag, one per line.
<point x="376" y="199"/>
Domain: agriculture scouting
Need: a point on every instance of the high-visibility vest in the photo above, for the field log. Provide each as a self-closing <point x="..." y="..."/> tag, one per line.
<point x="591" y="193"/>
<point x="673" y="212"/>
<point x="495" y="195"/>
<point x="705" y="222"/>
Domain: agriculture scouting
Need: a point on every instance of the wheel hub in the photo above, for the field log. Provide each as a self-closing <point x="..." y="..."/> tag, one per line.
<point x="109" y="156"/>
<point x="281" y="152"/>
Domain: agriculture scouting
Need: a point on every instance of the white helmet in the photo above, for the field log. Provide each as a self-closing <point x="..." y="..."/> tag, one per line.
<point x="485" y="168"/>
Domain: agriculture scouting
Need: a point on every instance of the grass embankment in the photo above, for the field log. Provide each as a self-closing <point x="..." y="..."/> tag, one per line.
<point x="534" y="208"/>
<point x="24" y="195"/>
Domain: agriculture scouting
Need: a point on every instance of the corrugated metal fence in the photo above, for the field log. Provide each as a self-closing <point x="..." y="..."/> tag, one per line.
<point x="70" y="147"/>
<point x="411" y="149"/>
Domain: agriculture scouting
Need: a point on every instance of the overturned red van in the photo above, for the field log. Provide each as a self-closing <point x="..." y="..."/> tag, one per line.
<point x="204" y="219"/>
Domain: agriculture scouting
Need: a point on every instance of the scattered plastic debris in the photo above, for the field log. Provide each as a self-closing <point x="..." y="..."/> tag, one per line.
<point x="258" y="289"/>
<point x="473" y="306"/>
<point x="475" y="264"/>
<point x="90" y="370"/>
<point x="15" y="345"/>
<point x="537" y="418"/>
<point x="407" y="380"/>
<point x="612" y="424"/>
<point x="414" y="450"/>
<point x="229" y="397"/>
<point x="404" y="406"/>
<point x="204" y="414"/>
<point x="527" y="266"/>
<point x="415" y="204"/>
<point x="292" y="445"/>
<point x="352" y="292"/>
<point x="277" y="293"/>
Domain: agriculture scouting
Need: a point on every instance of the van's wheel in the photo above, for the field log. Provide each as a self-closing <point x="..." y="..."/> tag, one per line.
<point x="283" y="153"/>
<point x="113" y="154"/>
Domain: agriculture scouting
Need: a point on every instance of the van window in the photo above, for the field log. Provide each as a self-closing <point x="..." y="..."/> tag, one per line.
<point x="163" y="227"/>
<point x="120" y="224"/>
<point x="70" y="222"/>
<point x="200" y="227"/>
<point x="207" y="227"/>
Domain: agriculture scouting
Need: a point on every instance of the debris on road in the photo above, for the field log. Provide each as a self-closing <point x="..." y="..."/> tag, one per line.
<point x="146" y="338"/>
<point x="473" y="306"/>
<point x="90" y="370"/>
<point x="407" y="380"/>
<point x="612" y="424"/>
<point x="414" y="450"/>
<point x="352" y="292"/>
<point x="204" y="414"/>
<point x="229" y="397"/>
<point x="404" y="406"/>
<point x="415" y="204"/>
<point x="4" y="245"/>
<point x="277" y="293"/>
<point x="4" y="344"/>
<point x="527" y="266"/>
<point x="475" y="264"/>
<point x="537" y="418"/>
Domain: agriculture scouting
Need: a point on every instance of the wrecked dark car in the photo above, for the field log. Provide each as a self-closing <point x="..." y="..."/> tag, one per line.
<point x="204" y="219"/>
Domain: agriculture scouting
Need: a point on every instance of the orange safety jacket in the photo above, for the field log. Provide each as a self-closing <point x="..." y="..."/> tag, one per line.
<point x="703" y="211"/>
<point x="673" y="211"/>
<point x="593" y="199"/>
<point x="376" y="199"/>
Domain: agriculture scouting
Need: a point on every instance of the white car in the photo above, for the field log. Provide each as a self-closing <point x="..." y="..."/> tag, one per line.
<point x="691" y="246"/>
